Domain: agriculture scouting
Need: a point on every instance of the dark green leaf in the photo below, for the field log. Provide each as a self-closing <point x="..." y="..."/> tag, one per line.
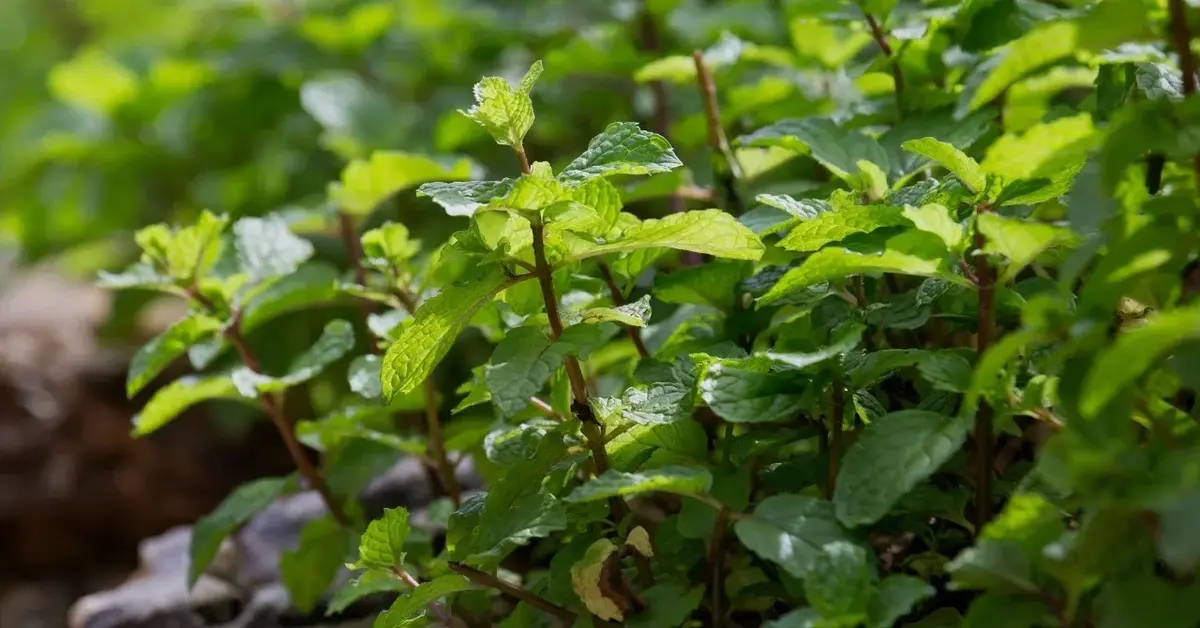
<point x="239" y="507"/>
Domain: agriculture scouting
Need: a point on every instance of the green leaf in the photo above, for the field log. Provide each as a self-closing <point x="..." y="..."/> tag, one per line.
<point x="1019" y="241"/>
<point x="163" y="349"/>
<point x="365" y="183"/>
<point x="1007" y="611"/>
<point x="336" y="340"/>
<point x="1133" y="353"/>
<point x="238" y="508"/>
<point x="894" y="598"/>
<point x="511" y="523"/>
<point x="936" y="219"/>
<point x="834" y="226"/>
<point x="847" y="340"/>
<point x="352" y="423"/>
<point x="623" y="148"/>
<point x="839" y="149"/>
<point x="1178" y="544"/>
<point x="312" y="284"/>
<point x="505" y="113"/>
<point x="309" y="570"/>
<point x="891" y="456"/>
<point x="804" y="209"/>
<point x="838" y="583"/>
<point x="1001" y="559"/>
<point x="790" y="530"/>
<point x="904" y="254"/>
<point x="672" y="479"/>
<point x="464" y="197"/>
<point x="635" y="314"/>
<point x="946" y="370"/>
<point x="1052" y="150"/>
<point x="799" y="618"/>
<point x="668" y="605"/>
<point x="714" y="284"/>
<point x="950" y="158"/>
<point x="367" y="583"/>
<point x="184" y="254"/>
<point x="267" y="248"/>
<point x="408" y="606"/>
<point x="171" y="400"/>
<point x="1106" y="25"/>
<point x="382" y="545"/>
<point x="741" y="395"/>
<point x="602" y="196"/>
<point x="388" y="246"/>
<point x="363" y="376"/>
<point x="434" y="327"/>
<point x="709" y="232"/>
<point x="520" y="367"/>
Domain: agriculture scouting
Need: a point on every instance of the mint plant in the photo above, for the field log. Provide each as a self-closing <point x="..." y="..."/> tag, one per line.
<point x="941" y="370"/>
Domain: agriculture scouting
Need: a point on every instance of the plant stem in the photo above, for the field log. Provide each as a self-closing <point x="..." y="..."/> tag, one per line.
<point x="837" y="409"/>
<point x="545" y="408"/>
<point x="651" y="42"/>
<point x="983" y="422"/>
<point x="433" y="424"/>
<point x="274" y="410"/>
<point x="1181" y="40"/>
<point x="726" y="167"/>
<point x="716" y="568"/>
<point x="514" y="591"/>
<point x="619" y="300"/>
<point x="522" y="158"/>
<point x="897" y="74"/>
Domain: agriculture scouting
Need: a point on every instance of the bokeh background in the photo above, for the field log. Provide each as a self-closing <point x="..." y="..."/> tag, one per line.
<point x="115" y="114"/>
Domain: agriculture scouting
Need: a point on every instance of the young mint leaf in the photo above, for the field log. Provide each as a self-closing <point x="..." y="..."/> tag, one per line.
<point x="672" y="479"/>
<point x="267" y="248"/>
<point x="1019" y="241"/>
<point x="936" y="219"/>
<point x="710" y="232"/>
<point x="839" y="149"/>
<point x="635" y="314"/>
<point x="505" y="113"/>
<point x="1133" y="353"/>
<point x="388" y="246"/>
<point x="952" y="159"/>
<point x="435" y="325"/>
<point x="894" y="598"/>
<point x="367" y="583"/>
<point x="838" y="583"/>
<point x="309" y="570"/>
<point x="464" y="197"/>
<point x="336" y="340"/>
<point x="1053" y="150"/>
<point x="138" y="275"/>
<point x="367" y="183"/>
<point x="407" y="606"/>
<point x="834" y="226"/>
<point x="891" y="456"/>
<point x="184" y="254"/>
<point x="790" y="530"/>
<point x="903" y="254"/>
<point x="382" y="545"/>
<point x="163" y="349"/>
<point x="238" y="507"/>
<point x="171" y="400"/>
<point x="623" y="148"/>
<point x="741" y="395"/>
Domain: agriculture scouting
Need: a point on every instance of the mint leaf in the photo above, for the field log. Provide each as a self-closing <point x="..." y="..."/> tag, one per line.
<point x="163" y="349"/>
<point x="714" y="284"/>
<point x="367" y="583"/>
<point x="388" y="246"/>
<point x="238" y="508"/>
<point x="936" y="219"/>
<point x="366" y="183"/>
<point x="672" y="479"/>
<point x="710" y="232"/>
<point x="407" y="606"/>
<point x="891" y="456"/>
<point x="952" y="159"/>
<point x="267" y="248"/>
<point x="838" y="583"/>
<point x="838" y="149"/>
<point x="894" y="598"/>
<point x="1020" y="241"/>
<point x="434" y="327"/>
<point x="833" y="226"/>
<point x="805" y="209"/>
<point x="505" y="113"/>
<point x="635" y="314"/>
<point x="520" y="367"/>
<point x="382" y="545"/>
<point x="334" y="430"/>
<point x="668" y="605"/>
<point x="623" y="148"/>
<point x="181" y="394"/>
<point x="463" y="198"/>
<point x="791" y="530"/>
<point x="336" y="340"/>
<point x="741" y="395"/>
<point x="311" y="284"/>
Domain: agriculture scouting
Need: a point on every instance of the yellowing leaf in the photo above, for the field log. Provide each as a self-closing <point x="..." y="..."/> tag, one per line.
<point x="585" y="579"/>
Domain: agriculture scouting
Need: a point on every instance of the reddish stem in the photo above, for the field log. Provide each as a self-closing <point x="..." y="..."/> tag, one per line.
<point x="984" y="436"/>
<point x="619" y="299"/>
<point x="897" y="74"/>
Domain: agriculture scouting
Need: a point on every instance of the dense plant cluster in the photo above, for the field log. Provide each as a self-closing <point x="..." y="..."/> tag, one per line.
<point x="921" y="347"/>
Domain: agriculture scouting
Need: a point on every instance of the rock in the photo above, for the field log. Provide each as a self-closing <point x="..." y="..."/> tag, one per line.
<point x="35" y="605"/>
<point x="242" y="589"/>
